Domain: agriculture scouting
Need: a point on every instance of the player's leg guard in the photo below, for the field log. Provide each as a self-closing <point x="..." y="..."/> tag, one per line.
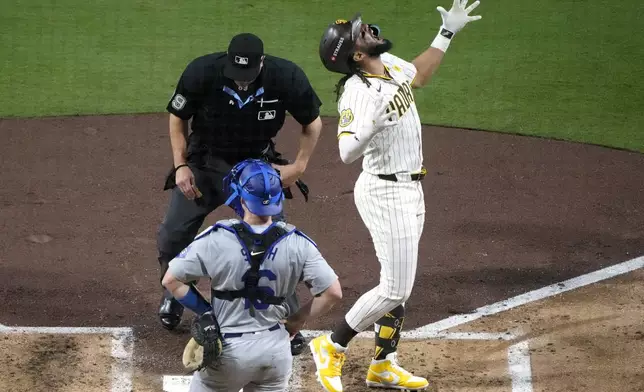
<point x="387" y="330"/>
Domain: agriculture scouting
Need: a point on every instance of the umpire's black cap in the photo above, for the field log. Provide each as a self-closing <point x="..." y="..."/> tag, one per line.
<point x="245" y="53"/>
<point x="338" y="43"/>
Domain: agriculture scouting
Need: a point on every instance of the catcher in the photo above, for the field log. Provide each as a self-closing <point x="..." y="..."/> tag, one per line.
<point x="241" y="337"/>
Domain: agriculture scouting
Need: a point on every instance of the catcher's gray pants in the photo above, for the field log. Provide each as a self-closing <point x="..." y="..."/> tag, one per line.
<point x="259" y="361"/>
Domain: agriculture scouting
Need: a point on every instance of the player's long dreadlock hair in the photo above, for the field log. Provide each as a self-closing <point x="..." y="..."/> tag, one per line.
<point x="355" y="70"/>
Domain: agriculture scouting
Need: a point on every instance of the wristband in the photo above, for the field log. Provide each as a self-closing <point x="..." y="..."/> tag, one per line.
<point x="180" y="166"/>
<point x="442" y="39"/>
<point x="194" y="301"/>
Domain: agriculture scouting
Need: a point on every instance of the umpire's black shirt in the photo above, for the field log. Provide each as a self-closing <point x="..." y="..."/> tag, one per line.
<point x="235" y="124"/>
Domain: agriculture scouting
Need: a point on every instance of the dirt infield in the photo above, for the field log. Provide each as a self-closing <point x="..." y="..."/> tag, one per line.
<point x="47" y="362"/>
<point x="81" y="200"/>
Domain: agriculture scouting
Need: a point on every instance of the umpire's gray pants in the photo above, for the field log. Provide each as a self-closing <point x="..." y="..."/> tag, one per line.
<point x="259" y="361"/>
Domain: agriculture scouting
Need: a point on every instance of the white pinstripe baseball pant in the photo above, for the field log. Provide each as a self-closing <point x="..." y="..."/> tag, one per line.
<point x="394" y="214"/>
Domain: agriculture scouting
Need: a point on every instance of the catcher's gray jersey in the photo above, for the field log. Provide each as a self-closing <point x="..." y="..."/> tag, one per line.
<point x="218" y="255"/>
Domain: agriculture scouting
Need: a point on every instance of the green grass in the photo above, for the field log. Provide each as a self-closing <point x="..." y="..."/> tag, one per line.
<point x="556" y="68"/>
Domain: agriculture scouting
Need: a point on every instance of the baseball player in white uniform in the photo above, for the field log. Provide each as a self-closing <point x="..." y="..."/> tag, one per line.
<point x="253" y="266"/>
<point x="379" y="121"/>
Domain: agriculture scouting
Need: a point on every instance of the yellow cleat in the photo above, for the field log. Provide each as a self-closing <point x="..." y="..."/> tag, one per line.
<point x="386" y="373"/>
<point x="329" y="358"/>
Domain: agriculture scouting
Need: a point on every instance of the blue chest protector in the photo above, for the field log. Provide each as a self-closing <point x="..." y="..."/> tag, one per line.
<point x="256" y="247"/>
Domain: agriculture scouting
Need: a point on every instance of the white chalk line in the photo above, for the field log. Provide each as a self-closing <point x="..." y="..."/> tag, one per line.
<point x="519" y="367"/>
<point x="122" y="349"/>
<point x="536" y="295"/>
<point x="424" y="335"/>
<point x="123" y="366"/>
<point x="66" y="330"/>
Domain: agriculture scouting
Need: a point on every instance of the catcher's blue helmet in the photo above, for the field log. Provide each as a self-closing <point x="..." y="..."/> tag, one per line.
<point x="258" y="184"/>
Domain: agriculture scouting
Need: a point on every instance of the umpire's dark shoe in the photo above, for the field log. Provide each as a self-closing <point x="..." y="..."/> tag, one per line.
<point x="170" y="311"/>
<point x="298" y="344"/>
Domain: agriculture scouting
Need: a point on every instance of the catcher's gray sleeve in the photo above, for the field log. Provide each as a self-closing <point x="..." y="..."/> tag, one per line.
<point x="189" y="264"/>
<point x="316" y="272"/>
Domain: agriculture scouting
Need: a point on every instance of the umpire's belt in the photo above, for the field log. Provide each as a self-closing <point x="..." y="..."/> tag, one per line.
<point x="237" y="335"/>
<point x="405" y="176"/>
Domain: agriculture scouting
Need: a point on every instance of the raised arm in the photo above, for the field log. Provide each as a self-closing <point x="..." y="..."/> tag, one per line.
<point x="453" y="21"/>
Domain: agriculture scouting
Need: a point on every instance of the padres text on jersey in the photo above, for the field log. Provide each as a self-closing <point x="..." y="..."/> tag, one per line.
<point x="396" y="150"/>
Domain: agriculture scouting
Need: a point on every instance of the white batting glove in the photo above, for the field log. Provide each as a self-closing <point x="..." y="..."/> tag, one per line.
<point x="384" y="117"/>
<point x="458" y="16"/>
<point x="453" y="21"/>
<point x="381" y="120"/>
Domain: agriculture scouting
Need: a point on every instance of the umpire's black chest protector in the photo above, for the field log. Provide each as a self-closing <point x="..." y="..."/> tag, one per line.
<point x="257" y="247"/>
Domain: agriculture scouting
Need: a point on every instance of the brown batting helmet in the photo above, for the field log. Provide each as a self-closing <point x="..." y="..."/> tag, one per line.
<point x="338" y="43"/>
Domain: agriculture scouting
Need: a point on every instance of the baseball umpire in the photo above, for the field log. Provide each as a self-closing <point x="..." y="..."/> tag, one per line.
<point x="237" y="102"/>
<point x="240" y="339"/>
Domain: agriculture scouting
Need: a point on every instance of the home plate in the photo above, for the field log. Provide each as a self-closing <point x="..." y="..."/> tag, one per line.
<point x="178" y="383"/>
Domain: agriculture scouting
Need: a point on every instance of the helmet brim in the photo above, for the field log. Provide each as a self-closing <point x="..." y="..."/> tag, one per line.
<point x="259" y="209"/>
<point x="356" y="25"/>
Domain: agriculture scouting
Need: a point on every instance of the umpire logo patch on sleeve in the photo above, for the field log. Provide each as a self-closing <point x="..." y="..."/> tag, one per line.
<point x="346" y="117"/>
<point x="266" y="115"/>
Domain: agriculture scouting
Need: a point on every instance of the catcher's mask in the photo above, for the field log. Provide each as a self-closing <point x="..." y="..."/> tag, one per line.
<point x="256" y="183"/>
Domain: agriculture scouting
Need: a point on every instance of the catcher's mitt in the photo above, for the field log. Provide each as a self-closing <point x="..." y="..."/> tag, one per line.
<point x="205" y="346"/>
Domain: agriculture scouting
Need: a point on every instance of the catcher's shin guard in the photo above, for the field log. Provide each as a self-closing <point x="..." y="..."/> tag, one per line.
<point x="387" y="330"/>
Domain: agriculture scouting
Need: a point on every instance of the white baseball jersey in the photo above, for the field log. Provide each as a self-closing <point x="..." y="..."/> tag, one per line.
<point x="394" y="150"/>
<point x="219" y="255"/>
<point x="393" y="211"/>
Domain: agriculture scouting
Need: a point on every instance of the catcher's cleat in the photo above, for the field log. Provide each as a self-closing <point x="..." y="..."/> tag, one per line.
<point x="298" y="343"/>
<point x="170" y="311"/>
<point x="329" y="358"/>
<point x="386" y="373"/>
